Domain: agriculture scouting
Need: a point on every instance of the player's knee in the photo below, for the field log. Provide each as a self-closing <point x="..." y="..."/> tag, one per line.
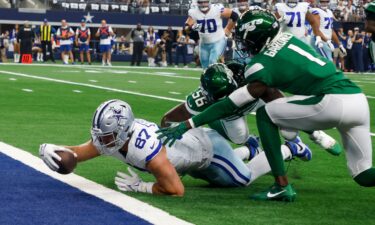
<point x="366" y="178"/>
<point x="288" y="134"/>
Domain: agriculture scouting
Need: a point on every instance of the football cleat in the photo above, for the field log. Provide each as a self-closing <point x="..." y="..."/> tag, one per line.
<point x="276" y="193"/>
<point x="253" y="145"/>
<point x="299" y="149"/>
<point x="326" y="142"/>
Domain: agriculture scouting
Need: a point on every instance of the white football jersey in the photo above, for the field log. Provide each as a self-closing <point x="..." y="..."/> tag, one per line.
<point x="294" y="18"/>
<point x="326" y="21"/>
<point x="211" y="23"/>
<point x="192" y="152"/>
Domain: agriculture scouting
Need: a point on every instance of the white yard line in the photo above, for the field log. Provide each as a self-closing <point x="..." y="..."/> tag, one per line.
<point x="90" y="85"/>
<point x="102" y="67"/>
<point x="129" y="204"/>
<point x="27" y="90"/>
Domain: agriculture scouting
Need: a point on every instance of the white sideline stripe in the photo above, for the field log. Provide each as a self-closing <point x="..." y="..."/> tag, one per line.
<point x="99" y="66"/>
<point x="372" y="134"/>
<point x="90" y="85"/>
<point x="129" y="204"/>
<point x="368" y="96"/>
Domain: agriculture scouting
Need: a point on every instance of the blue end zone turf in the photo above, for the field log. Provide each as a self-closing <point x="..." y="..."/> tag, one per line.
<point x="30" y="197"/>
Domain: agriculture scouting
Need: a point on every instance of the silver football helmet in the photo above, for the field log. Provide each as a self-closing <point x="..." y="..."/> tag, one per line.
<point x="291" y="3"/>
<point x="324" y="4"/>
<point x="204" y="5"/>
<point x="112" y="125"/>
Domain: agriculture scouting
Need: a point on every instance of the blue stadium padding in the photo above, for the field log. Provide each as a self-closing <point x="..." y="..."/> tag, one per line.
<point x="30" y="197"/>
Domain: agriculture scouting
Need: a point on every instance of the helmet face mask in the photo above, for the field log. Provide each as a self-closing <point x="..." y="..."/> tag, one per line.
<point x="204" y="5"/>
<point x="324" y="4"/>
<point x="242" y="5"/>
<point x="112" y="126"/>
<point x="292" y="3"/>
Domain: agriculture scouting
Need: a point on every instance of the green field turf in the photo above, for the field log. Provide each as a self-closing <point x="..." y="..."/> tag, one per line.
<point x="60" y="113"/>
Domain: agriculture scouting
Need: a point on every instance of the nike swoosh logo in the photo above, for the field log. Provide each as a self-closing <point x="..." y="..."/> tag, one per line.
<point x="270" y="195"/>
<point x="153" y="145"/>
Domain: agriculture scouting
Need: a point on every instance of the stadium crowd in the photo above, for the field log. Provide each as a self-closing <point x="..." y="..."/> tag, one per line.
<point x="169" y="47"/>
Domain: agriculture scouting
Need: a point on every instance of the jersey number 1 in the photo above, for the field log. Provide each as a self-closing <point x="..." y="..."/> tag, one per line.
<point x="302" y="52"/>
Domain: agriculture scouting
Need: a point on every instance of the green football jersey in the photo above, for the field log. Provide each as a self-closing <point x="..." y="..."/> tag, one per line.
<point x="197" y="102"/>
<point x="292" y="66"/>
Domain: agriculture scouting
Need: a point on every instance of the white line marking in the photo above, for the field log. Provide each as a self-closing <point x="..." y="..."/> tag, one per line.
<point x="13" y="79"/>
<point x="77" y="91"/>
<point x="169" y="82"/>
<point x="174" y="93"/>
<point x="27" y="90"/>
<point x="159" y="74"/>
<point x="372" y="134"/>
<point x="165" y="73"/>
<point x="368" y="96"/>
<point x="92" y="71"/>
<point x="132" y="81"/>
<point x="99" y="66"/>
<point x="94" y="81"/>
<point x="91" y="85"/>
<point x="129" y="204"/>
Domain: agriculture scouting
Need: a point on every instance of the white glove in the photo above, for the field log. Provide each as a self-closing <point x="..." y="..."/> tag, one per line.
<point x="342" y="49"/>
<point x="330" y="45"/>
<point x="196" y="27"/>
<point x="47" y="153"/>
<point x="132" y="182"/>
<point x="318" y="42"/>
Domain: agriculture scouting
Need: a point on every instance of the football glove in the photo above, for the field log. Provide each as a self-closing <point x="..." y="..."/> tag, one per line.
<point x="342" y="49"/>
<point x="319" y="42"/>
<point x="196" y="27"/>
<point x="172" y="133"/>
<point x="330" y="45"/>
<point x="132" y="182"/>
<point x="47" y="153"/>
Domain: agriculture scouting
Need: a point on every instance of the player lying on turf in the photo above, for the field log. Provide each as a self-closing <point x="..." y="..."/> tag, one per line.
<point x="219" y="81"/>
<point x="283" y="62"/>
<point x="201" y="153"/>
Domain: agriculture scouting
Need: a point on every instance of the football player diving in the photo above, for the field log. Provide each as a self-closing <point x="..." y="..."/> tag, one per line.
<point x="283" y="62"/>
<point x="207" y="19"/>
<point x="219" y="81"/>
<point x="201" y="153"/>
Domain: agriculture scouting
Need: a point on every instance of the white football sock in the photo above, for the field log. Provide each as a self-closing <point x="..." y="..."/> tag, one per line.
<point x="16" y="57"/>
<point x="259" y="165"/>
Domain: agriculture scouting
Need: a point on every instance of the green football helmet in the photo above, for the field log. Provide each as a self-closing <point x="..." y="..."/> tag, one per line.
<point x="217" y="81"/>
<point x="238" y="70"/>
<point x="255" y="29"/>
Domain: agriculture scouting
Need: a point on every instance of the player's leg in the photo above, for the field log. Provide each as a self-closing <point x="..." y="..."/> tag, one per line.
<point x="81" y="53"/>
<point x="226" y="169"/>
<point x="217" y="49"/>
<point x="88" y="55"/>
<point x="204" y="54"/>
<point x="109" y="55"/>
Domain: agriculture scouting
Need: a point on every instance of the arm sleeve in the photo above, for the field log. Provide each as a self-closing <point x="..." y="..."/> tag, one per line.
<point x="216" y="111"/>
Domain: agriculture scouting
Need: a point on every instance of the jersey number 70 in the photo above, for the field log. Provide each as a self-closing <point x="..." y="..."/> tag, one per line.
<point x="210" y="23"/>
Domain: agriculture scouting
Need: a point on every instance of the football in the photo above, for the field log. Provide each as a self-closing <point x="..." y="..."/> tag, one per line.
<point x="68" y="162"/>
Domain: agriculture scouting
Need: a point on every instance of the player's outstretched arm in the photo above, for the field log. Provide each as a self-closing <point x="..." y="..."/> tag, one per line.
<point x="233" y="17"/>
<point x="84" y="151"/>
<point x="177" y="114"/>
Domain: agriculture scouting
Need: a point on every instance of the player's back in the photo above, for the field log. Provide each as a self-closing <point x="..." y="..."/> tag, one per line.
<point x="211" y="23"/>
<point x="290" y="65"/>
<point x="193" y="151"/>
<point x="326" y="21"/>
<point x="294" y="18"/>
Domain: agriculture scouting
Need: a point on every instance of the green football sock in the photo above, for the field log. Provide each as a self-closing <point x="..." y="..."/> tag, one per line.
<point x="366" y="178"/>
<point x="269" y="135"/>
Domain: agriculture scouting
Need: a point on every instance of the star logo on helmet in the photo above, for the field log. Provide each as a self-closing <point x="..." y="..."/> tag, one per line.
<point x="117" y="114"/>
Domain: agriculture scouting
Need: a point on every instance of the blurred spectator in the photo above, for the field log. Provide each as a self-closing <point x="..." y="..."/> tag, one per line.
<point x="83" y="36"/>
<point x="161" y="55"/>
<point x="105" y="34"/>
<point x="65" y="33"/>
<point x="181" y="49"/>
<point x="25" y="37"/>
<point x="138" y="37"/>
<point x="357" y="51"/>
<point x="366" y="55"/>
<point x="228" y="54"/>
<point x="16" y="44"/>
<point x="37" y="49"/>
<point x="4" y="44"/>
<point x="349" y="51"/>
<point x="151" y="38"/>
<point x="169" y="39"/>
<point x="46" y="31"/>
<point x="337" y="53"/>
